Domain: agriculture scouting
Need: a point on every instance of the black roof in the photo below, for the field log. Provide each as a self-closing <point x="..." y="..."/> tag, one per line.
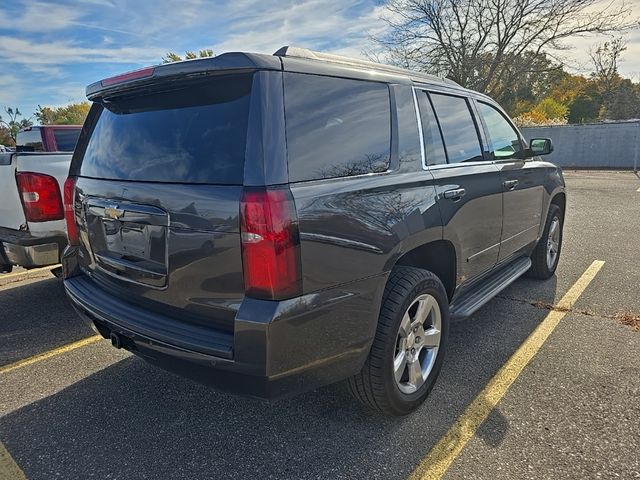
<point x="288" y="58"/>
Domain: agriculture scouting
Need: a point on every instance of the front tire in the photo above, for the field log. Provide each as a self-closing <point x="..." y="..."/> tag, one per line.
<point x="545" y="257"/>
<point x="409" y="346"/>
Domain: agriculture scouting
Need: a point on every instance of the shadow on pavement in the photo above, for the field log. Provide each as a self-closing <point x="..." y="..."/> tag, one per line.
<point x="36" y="317"/>
<point x="132" y="420"/>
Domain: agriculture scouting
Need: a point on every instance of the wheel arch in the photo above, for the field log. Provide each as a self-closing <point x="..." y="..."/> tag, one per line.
<point x="439" y="257"/>
<point x="560" y="199"/>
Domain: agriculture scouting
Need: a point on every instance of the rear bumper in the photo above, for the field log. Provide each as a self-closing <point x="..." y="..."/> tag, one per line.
<point x="22" y="248"/>
<point x="277" y="349"/>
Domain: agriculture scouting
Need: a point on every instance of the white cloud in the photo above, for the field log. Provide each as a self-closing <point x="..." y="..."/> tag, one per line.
<point x="11" y="89"/>
<point x="316" y="24"/>
<point x="34" y="54"/>
<point x="41" y="17"/>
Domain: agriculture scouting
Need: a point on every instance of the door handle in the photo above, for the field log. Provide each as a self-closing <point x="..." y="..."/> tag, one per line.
<point x="455" y="194"/>
<point x="510" y="184"/>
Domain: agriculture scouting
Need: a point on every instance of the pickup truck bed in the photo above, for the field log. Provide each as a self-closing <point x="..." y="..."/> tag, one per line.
<point x="23" y="242"/>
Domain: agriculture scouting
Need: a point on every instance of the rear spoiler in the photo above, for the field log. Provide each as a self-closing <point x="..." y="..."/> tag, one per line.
<point x="169" y="71"/>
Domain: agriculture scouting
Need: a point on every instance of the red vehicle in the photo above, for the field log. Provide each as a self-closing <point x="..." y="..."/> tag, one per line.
<point x="48" y="138"/>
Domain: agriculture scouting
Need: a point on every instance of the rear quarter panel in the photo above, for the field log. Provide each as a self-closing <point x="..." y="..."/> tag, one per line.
<point x="553" y="183"/>
<point x="357" y="227"/>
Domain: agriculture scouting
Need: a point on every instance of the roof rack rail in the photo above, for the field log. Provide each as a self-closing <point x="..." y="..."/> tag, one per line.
<point x="299" y="52"/>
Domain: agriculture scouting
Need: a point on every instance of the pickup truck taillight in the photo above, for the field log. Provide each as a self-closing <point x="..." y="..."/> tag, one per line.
<point x="40" y="197"/>
<point x="69" y="196"/>
<point x="270" y="243"/>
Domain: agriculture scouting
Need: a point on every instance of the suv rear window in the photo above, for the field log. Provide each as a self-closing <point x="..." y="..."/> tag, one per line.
<point x="195" y="133"/>
<point x="336" y="127"/>
<point x="66" y="138"/>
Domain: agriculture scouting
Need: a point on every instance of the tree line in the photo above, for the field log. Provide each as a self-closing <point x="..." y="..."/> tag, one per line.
<point x="13" y="120"/>
<point x="516" y="52"/>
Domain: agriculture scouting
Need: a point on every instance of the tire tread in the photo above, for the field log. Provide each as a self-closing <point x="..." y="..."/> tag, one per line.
<point x="368" y="385"/>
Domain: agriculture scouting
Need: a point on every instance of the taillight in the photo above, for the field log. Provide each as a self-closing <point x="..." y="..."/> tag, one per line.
<point x="40" y="197"/>
<point x="69" y="214"/>
<point x="270" y="243"/>
<point x="128" y="76"/>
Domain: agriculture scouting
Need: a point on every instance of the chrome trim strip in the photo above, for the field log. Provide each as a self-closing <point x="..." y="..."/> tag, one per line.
<point x="422" y="153"/>
<point x="520" y="233"/>
<point x="483" y="251"/>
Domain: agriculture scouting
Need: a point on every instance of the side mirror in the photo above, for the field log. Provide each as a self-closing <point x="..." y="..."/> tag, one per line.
<point x="540" y="146"/>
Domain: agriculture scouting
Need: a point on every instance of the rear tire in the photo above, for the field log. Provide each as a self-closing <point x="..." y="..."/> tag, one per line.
<point x="409" y="346"/>
<point x="545" y="257"/>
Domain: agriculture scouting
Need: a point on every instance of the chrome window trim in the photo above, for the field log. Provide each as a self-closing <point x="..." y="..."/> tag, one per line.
<point x="420" y="135"/>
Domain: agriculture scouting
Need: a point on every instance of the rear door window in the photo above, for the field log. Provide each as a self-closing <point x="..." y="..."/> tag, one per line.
<point x="66" y="138"/>
<point x="196" y="133"/>
<point x="336" y="127"/>
<point x="458" y="128"/>
<point x="434" y="149"/>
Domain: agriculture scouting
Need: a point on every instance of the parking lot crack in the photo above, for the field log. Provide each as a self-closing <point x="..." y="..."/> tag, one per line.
<point x="629" y="319"/>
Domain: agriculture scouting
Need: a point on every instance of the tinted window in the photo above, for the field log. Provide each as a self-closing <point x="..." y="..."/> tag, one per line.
<point x="434" y="149"/>
<point x="408" y="139"/>
<point x="336" y="127"/>
<point x="194" y="134"/>
<point x="505" y="142"/>
<point x="66" y="138"/>
<point x="29" y="141"/>
<point x="458" y="128"/>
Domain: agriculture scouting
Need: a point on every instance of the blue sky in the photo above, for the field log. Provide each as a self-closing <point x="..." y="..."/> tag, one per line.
<point x="50" y="50"/>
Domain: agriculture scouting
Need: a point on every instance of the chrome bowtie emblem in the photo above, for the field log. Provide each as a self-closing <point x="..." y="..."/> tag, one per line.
<point x="113" y="212"/>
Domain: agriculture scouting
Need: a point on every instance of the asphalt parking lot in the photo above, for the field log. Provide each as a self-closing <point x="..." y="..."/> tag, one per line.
<point x="572" y="412"/>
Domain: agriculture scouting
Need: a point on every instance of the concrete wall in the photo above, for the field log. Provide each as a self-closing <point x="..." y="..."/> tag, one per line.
<point x="599" y="145"/>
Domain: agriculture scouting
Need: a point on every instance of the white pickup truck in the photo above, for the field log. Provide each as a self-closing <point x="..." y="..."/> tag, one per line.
<point x="32" y="225"/>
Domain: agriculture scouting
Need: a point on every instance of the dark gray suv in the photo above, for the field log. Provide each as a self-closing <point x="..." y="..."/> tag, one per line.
<point x="273" y="223"/>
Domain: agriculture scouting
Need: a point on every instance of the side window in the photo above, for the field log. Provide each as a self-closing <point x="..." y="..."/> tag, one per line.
<point x="458" y="128"/>
<point x="408" y="138"/>
<point x="433" y="147"/>
<point x="29" y="141"/>
<point x="505" y="142"/>
<point x="66" y="138"/>
<point x="336" y="127"/>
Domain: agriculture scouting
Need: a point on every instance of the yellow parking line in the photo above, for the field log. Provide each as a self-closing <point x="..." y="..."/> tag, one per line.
<point x="442" y="455"/>
<point x="9" y="469"/>
<point x="50" y="353"/>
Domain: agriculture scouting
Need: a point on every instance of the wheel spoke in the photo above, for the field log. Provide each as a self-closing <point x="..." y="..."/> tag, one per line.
<point x="405" y="325"/>
<point x="431" y="338"/>
<point x="424" y="308"/>
<point x="415" y="374"/>
<point x="399" y="365"/>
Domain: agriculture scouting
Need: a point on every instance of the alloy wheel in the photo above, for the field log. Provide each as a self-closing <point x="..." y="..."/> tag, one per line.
<point x="417" y="343"/>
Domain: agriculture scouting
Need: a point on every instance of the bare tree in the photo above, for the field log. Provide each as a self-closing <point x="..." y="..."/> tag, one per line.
<point x="620" y="98"/>
<point x="488" y="45"/>
<point x="605" y="58"/>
